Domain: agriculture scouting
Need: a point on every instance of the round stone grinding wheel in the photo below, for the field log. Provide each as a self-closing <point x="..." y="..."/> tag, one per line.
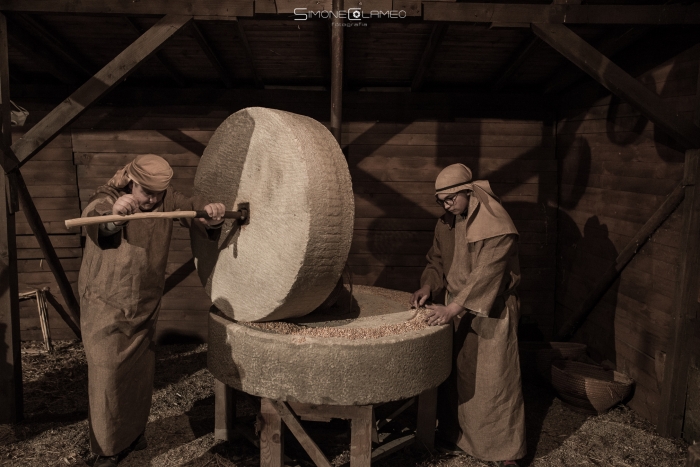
<point x="292" y="175"/>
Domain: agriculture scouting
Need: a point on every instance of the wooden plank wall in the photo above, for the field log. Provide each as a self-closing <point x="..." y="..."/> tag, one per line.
<point x="51" y="179"/>
<point x="393" y="166"/>
<point x="616" y="168"/>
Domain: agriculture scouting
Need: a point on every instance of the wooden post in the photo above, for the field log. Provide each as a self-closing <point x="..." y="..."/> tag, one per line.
<point x="10" y="361"/>
<point x="271" y="435"/>
<point x="337" y="71"/>
<point x="427" y="418"/>
<point x="361" y="438"/>
<point x="224" y="411"/>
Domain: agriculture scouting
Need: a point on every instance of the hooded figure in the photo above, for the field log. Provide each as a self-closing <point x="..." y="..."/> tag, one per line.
<point x="120" y="286"/>
<point x="474" y="259"/>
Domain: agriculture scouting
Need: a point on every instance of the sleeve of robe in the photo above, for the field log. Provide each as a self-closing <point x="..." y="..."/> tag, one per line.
<point x="487" y="273"/>
<point x="433" y="274"/>
<point x="194" y="203"/>
<point x="99" y="204"/>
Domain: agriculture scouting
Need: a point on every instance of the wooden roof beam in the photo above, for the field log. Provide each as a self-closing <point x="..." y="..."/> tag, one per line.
<point x="569" y="75"/>
<point x="201" y="9"/>
<point x="561" y="13"/>
<point x="112" y="74"/>
<point x="249" y="54"/>
<point x="211" y="55"/>
<point x="515" y="63"/>
<point x="160" y="56"/>
<point x="27" y="44"/>
<point x="436" y="36"/>
<point x="617" y="81"/>
<point x="56" y="44"/>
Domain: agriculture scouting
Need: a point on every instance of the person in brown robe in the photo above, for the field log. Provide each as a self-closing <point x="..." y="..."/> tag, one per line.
<point x="474" y="258"/>
<point x="121" y="283"/>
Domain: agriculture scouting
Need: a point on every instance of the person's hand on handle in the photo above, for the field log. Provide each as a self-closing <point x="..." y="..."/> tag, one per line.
<point x="441" y="314"/>
<point x="125" y="205"/>
<point x="420" y="297"/>
<point x="216" y="211"/>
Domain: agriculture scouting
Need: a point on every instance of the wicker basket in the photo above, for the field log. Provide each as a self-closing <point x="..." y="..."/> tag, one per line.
<point x="536" y="357"/>
<point x="589" y="388"/>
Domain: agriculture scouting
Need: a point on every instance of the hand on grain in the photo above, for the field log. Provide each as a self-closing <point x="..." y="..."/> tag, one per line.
<point x="125" y="205"/>
<point x="216" y="212"/>
<point x="420" y="296"/>
<point x="440" y="314"/>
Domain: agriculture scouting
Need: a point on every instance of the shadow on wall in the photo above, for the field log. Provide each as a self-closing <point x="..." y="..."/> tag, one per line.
<point x="583" y="260"/>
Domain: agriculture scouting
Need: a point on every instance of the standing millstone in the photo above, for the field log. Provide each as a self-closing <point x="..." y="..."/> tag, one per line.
<point x="294" y="177"/>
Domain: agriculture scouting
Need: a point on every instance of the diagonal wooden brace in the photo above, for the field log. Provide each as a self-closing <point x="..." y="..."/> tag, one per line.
<point x="112" y="74"/>
<point x="617" y="81"/>
<point x="11" y="167"/>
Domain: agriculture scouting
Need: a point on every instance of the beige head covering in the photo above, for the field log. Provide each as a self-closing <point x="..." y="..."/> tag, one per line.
<point x="148" y="170"/>
<point x="486" y="217"/>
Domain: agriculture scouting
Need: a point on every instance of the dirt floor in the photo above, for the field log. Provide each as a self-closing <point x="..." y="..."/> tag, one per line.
<point x="179" y="432"/>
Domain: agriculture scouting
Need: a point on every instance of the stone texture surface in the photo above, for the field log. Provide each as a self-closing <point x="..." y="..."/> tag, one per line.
<point x="287" y="260"/>
<point x="331" y="370"/>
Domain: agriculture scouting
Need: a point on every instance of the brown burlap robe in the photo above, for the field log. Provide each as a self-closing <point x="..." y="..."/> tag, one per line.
<point x="480" y="406"/>
<point x="120" y="285"/>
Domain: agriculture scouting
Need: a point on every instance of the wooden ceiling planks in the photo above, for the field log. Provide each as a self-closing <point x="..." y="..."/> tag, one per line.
<point x="281" y="51"/>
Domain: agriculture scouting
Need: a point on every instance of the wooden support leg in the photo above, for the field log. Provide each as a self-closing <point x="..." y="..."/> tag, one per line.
<point x="271" y="436"/>
<point x="224" y="411"/>
<point x="425" y="428"/>
<point x="361" y="438"/>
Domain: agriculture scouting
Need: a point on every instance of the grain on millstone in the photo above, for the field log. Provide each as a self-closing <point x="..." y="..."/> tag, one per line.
<point x="280" y="327"/>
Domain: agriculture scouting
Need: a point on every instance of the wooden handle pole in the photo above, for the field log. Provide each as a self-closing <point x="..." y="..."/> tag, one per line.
<point x="81" y="221"/>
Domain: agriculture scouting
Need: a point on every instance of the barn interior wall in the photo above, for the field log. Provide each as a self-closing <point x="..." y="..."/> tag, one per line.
<point x="616" y="168"/>
<point x="395" y="144"/>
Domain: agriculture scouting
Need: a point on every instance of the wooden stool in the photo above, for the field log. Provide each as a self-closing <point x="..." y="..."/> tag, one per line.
<point x="363" y="427"/>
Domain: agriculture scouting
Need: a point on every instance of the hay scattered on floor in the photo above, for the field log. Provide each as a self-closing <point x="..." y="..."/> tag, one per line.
<point x="180" y="427"/>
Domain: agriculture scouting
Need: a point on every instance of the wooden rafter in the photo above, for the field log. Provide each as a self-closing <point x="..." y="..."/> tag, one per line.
<point x="214" y="9"/>
<point x="99" y="85"/>
<point x="436" y="36"/>
<point x="10" y="361"/>
<point x="27" y="44"/>
<point x="514" y="64"/>
<point x="569" y="75"/>
<point x="249" y="53"/>
<point x="160" y="56"/>
<point x="619" y="82"/>
<point x="211" y="55"/>
<point x="557" y="13"/>
<point x="58" y="45"/>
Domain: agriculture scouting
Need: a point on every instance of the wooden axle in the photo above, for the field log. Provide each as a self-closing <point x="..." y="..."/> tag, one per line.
<point x="241" y="215"/>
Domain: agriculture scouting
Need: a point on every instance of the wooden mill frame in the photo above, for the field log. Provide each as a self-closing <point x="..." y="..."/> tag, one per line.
<point x="547" y="22"/>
